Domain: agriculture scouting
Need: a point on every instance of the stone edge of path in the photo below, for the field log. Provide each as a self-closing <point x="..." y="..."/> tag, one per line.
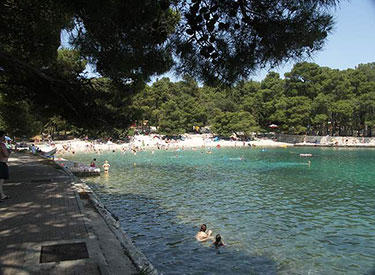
<point x="136" y="256"/>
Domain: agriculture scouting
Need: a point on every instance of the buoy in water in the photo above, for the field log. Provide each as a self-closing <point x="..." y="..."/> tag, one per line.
<point x="305" y="155"/>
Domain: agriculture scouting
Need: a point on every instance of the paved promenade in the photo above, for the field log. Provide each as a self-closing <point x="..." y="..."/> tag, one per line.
<point x="45" y="228"/>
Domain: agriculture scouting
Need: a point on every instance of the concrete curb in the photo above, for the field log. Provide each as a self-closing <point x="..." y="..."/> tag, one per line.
<point x="136" y="256"/>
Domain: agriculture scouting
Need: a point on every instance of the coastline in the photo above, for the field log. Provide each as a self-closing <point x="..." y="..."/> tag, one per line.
<point x="286" y="166"/>
<point x="84" y="192"/>
<point x="50" y="208"/>
<point x="306" y="144"/>
<point x="142" y="142"/>
<point x="334" y="145"/>
<point x="200" y="142"/>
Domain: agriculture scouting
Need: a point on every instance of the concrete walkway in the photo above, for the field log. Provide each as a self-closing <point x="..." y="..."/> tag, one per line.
<point x="45" y="228"/>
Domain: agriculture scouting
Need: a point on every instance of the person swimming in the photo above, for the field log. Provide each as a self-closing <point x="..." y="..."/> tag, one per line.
<point x="218" y="241"/>
<point x="202" y="235"/>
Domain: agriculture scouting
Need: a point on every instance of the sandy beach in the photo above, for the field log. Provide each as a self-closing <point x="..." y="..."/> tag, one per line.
<point x="155" y="142"/>
<point x="194" y="142"/>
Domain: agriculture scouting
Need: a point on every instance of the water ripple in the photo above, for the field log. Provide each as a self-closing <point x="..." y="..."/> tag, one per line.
<point x="276" y="214"/>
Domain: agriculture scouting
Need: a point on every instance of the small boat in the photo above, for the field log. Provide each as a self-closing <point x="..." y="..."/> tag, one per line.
<point x="78" y="169"/>
<point x="49" y="153"/>
<point x="85" y="171"/>
<point x="305" y="155"/>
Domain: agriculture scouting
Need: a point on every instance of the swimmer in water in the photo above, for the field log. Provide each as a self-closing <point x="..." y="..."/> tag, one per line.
<point x="203" y="235"/>
<point x="218" y="241"/>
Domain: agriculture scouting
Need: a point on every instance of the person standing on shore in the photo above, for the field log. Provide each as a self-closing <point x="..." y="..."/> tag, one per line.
<point x="4" y="171"/>
<point x="33" y="149"/>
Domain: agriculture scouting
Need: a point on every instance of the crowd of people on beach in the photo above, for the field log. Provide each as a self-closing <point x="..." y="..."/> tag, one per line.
<point x="142" y="143"/>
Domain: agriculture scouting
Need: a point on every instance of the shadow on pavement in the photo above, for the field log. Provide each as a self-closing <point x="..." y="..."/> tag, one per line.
<point x="42" y="208"/>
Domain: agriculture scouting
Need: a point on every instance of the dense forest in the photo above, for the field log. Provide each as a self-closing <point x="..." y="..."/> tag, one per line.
<point x="310" y="100"/>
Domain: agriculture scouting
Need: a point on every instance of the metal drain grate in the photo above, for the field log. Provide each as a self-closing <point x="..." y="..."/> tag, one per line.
<point x="63" y="252"/>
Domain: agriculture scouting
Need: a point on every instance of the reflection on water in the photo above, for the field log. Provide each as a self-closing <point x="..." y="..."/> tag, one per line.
<point x="276" y="214"/>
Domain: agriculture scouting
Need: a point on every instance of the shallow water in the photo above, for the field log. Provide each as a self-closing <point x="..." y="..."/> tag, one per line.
<point x="276" y="214"/>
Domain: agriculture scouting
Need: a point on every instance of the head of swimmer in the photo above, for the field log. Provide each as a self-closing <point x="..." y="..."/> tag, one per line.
<point x="218" y="238"/>
<point x="203" y="228"/>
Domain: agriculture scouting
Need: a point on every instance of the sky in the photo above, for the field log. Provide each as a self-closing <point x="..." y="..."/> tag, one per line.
<point x="351" y="42"/>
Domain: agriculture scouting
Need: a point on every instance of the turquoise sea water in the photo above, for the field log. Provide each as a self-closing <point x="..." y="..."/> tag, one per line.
<point x="276" y="214"/>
